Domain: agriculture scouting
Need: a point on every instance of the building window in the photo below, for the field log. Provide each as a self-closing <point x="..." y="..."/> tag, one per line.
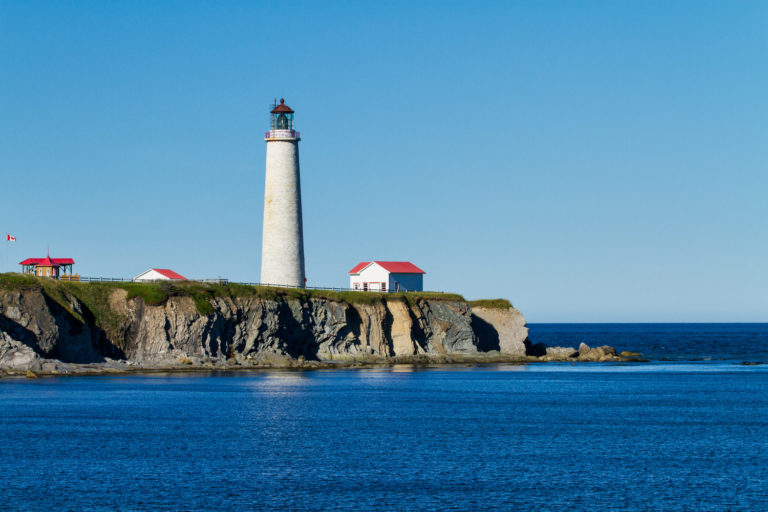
<point x="383" y="287"/>
<point x="365" y="287"/>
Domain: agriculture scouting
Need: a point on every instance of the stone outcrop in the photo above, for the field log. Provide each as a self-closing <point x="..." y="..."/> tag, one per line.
<point x="15" y="355"/>
<point x="502" y="329"/>
<point x="585" y="354"/>
<point x="559" y="354"/>
<point x="38" y="331"/>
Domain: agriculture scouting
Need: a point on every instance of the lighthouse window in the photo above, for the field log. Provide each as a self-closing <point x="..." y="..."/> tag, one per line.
<point x="282" y="122"/>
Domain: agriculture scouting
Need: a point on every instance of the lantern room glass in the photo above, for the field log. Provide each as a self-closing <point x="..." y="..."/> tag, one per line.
<point x="282" y="121"/>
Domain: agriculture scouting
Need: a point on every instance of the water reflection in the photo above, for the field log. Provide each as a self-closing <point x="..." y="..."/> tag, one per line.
<point x="405" y="368"/>
<point x="278" y="381"/>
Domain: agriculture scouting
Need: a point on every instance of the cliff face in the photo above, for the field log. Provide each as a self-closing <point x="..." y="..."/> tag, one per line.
<point x="37" y="329"/>
<point x="501" y="329"/>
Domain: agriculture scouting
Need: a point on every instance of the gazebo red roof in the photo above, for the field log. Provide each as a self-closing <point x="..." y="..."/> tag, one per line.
<point x="282" y="108"/>
<point x="54" y="261"/>
<point x="47" y="262"/>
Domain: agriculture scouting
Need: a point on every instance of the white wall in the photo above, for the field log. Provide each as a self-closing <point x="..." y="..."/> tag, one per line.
<point x="150" y="275"/>
<point x="371" y="274"/>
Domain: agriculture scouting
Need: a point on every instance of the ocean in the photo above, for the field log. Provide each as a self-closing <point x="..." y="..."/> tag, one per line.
<point x="687" y="431"/>
<point x="665" y="342"/>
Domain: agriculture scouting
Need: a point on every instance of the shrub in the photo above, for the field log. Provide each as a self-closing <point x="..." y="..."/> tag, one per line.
<point x="491" y="303"/>
<point x="13" y="281"/>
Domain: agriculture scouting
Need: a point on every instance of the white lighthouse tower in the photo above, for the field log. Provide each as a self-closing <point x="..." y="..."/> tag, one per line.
<point x="282" y="248"/>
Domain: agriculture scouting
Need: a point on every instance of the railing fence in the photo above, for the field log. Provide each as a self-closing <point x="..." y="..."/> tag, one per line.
<point x="91" y="279"/>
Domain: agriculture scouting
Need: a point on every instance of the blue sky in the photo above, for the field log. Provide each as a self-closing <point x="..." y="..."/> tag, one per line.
<point x="590" y="161"/>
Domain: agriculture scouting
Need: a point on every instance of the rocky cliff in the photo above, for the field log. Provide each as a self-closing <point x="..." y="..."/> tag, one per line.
<point x="45" y="326"/>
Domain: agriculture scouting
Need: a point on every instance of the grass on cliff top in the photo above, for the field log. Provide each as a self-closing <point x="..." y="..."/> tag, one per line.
<point x="96" y="295"/>
<point x="11" y="281"/>
<point x="491" y="303"/>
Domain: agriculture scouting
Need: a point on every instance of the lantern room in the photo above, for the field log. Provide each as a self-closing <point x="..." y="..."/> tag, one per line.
<point x="282" y="117"/>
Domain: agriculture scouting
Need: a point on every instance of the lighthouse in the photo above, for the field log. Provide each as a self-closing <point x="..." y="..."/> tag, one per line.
<point x="282" y="248"/>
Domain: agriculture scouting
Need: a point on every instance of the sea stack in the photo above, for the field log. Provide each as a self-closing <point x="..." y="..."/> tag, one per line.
<point x="282" y="249"/>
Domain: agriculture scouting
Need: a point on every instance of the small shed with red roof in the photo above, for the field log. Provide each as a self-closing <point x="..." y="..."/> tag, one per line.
<point x="159" y="274"/>
<point x="383" y="276"/>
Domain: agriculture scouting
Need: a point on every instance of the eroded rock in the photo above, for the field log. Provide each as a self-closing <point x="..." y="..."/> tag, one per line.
<point x="502" y="329"/>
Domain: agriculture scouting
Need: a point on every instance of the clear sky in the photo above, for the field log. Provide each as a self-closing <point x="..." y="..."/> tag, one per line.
<point x="590" y="161"/>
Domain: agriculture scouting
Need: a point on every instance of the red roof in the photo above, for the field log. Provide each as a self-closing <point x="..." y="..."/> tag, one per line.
<point x="170" y="274"/>
<point x="400" y="267"/>
<point x="55" y="261"/>
<point x="47" y="262"/>
<point x="360" y="266"/>
<point x="393" y="267"/>
<point x="282" y="107"/>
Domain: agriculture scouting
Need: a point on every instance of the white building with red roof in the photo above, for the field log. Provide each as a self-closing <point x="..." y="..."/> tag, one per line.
<point x="384" y="276"/>
<point x="159" y="274"/>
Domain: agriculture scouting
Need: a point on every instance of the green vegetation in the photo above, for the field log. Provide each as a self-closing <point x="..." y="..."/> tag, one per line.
<point x="491" y="303"/>
<point x="96" y="296"/>
<point x="16" y="281"/>
<point x="152" y="295"/>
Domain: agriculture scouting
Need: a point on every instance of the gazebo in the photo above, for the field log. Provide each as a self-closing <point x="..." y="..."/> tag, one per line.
<point x="54" y="268"/>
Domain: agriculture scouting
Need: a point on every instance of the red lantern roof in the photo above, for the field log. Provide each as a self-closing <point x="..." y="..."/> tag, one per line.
<point x="282" y="108"/>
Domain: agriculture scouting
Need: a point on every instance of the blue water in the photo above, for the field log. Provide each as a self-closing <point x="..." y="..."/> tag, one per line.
<point x="658" y="436"/>
<point x="675" y="342"/>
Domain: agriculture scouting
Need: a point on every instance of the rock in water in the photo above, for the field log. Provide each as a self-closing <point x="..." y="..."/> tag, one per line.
<point x="560" y="354"/>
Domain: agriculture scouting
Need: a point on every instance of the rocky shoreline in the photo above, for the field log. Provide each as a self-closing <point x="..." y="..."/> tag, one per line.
<point x="53" y="328"/>
<point x="50" y="367"/>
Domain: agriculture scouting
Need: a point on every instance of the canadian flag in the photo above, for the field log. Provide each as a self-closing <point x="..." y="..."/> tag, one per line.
<point x="10" y="238"/>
